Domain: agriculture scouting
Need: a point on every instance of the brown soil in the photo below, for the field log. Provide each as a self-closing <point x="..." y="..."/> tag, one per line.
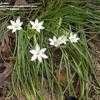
<point x="6" y="44"/>
<point x="94" y="44"/>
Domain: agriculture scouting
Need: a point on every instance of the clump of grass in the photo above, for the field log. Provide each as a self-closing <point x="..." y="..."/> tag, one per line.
<point x="29" y="77"/>
<point x="32" y="78"/>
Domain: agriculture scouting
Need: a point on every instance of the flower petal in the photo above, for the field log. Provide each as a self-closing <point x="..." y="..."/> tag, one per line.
<point x="43" y="50"/>
<point x="13" y="30"/>
<point x="37" y="47"/>
<point x="40" y="58"/>
<point x="33" y="58"/>
<point x="12" y="22"/>
<point x="19" y="28"/>
<point x="18" y="20"/>
<point x="44" y="56"/>
<point x="38" y="30"/>
<point x="41" y="23"/>
<point x="32" y="23"/>
<point x="36" y="21"/>
<point x="50" y="40"/>
<point x="10" y="27"/>
<point x="32" y="51"/>
<point x="54" y="38"/>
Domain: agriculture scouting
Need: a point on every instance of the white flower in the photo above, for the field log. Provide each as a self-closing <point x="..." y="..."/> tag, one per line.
<point x="37" y="25"/>
<point x="38" y="53"/>
<point x="73" y="38"/>
<point x="15" y="25"/>
<point x="58" y="41"/>
<point x="62" y="39"/>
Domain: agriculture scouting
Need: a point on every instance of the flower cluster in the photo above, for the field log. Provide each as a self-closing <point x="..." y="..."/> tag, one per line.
<point x="15" y="25"/>
<point x="38" y="26"/>
<point x="38" y="53"/>
<point x="58" y="41"/>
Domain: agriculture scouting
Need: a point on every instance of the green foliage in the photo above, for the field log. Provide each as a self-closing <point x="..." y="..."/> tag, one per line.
<point x="31" y="78"/>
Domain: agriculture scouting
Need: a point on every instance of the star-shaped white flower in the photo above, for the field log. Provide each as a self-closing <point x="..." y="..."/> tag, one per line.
<point x="58" y="41"/>
<point x="15" y="25"/>
<point x="38" y="53"/>
<point x="38" y="26"/>
<point x="73" y="38"/>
